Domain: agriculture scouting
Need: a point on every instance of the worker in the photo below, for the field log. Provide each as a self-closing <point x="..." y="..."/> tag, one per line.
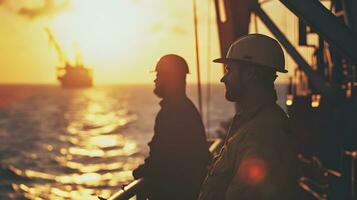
<point x="258" y="160"/>
<point x="179" y="155"/>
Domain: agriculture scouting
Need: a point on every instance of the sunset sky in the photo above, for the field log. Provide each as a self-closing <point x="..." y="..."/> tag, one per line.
<point x="120" y="39"/>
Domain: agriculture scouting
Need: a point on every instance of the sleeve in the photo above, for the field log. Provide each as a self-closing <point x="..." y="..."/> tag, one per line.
<point x="154" y="162"/>
<point x="262" y="171"/>
<point x="162" y="148"/>
<point x="139" y="172"/>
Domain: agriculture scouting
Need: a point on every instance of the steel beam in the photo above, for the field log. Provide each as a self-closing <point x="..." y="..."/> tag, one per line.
<point x="325" y="23"/>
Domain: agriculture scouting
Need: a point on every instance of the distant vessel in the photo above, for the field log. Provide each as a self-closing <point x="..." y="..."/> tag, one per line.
<point x="74" y="76"/>
<point x="71" y="75"/>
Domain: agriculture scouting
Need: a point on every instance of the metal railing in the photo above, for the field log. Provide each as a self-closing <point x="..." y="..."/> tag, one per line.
<point x="135" y="187"/>
<point x="316" y="177"/>
<point x="131" y="190"/>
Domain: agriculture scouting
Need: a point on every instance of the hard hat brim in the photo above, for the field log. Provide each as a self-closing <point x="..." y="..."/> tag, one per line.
<point x="154" y="71"/>
<point x="283" y="71"/>
<point x="224" y="60"/>
<point x="230" y="60"/>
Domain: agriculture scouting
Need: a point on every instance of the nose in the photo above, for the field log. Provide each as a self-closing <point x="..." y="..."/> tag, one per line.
<point x="223" y="79"/>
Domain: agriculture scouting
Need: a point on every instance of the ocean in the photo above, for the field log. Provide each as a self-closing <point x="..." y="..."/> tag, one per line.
<point x="81" y="143"/>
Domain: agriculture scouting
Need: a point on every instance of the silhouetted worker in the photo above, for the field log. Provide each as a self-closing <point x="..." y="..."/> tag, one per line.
<point x="179" y="155"/>
<point x="258" y="159"/>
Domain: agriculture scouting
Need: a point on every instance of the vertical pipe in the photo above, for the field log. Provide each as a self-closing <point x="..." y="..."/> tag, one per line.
<point x="208" y="100"/>
<point x="326" y="24"/>
<point x="197" y="58"/>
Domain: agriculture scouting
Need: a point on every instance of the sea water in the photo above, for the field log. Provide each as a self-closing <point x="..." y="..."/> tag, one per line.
<point x="81" y="143"/>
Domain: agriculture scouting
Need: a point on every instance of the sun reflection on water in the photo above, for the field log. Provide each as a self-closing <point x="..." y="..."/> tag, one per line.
<point x="91" y="153"/>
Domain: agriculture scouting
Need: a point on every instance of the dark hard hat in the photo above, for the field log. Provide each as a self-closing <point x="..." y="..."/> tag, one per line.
<point x="172" y="63"/>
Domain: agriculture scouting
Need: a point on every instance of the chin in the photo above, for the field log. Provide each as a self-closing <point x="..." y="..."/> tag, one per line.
<point x="231" y="97"/>
<point x="158" y="93"/>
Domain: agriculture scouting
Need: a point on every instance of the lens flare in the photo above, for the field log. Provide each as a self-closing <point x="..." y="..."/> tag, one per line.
<point x="253" y="171"/>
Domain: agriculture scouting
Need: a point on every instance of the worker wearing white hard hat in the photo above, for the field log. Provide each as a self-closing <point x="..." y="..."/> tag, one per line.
<point x="258" y="159"/>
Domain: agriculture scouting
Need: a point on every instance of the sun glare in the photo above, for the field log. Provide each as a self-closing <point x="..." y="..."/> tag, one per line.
<point x="103" y="31"/>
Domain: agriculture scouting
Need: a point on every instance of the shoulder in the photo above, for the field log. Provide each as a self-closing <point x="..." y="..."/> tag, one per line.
<point x="186" y="107"/>
<point x="272" y="116"/>
<point x="181" y="111"/>
<point x="270" y="125"/>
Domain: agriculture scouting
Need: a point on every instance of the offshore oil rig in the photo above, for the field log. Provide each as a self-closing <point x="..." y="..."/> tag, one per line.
<point x="71" y="75"/>
<point x="321" y="99"/>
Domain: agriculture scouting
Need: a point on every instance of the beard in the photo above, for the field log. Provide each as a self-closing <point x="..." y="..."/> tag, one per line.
<point x="158" y="92"/>
<point x="232" y="96"/>
<point x="234" y="93"/>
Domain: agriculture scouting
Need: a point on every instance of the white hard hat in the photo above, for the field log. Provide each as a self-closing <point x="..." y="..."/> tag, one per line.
<point x="258" y="49"/>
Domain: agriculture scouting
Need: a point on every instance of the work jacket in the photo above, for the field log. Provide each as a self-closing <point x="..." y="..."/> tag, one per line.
<point x="179" y="155"/>
<point x="258" y="160"/>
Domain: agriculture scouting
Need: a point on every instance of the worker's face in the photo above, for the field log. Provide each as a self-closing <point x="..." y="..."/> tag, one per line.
<point x="159" y="89"/>
<point x="235" y="80"/>
<point x="168" y="83"/>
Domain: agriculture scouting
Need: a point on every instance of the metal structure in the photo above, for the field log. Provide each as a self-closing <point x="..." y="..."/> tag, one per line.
<point x="321" y="97"/>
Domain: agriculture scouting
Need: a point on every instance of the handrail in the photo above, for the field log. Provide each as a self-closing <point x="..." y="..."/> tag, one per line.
<point x="129" y="191"/>
<point x="134" y="187"/>
<point x="215" y="145"/>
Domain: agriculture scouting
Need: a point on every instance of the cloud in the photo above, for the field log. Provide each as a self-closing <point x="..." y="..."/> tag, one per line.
<point x="49" y="8"/>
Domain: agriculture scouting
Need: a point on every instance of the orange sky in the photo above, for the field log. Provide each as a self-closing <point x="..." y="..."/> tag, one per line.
<point x="120" y="40"/>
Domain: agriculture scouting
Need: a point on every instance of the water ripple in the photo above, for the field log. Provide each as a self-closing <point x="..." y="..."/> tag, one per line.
<point x="75" y="149"/>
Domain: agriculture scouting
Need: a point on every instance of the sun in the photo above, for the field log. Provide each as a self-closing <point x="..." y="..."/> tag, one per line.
<point x="105" y="32"/>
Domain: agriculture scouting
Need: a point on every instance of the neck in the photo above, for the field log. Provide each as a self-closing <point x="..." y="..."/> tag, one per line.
<point x="174" y="95"/>
<point x="255" y="97"/>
